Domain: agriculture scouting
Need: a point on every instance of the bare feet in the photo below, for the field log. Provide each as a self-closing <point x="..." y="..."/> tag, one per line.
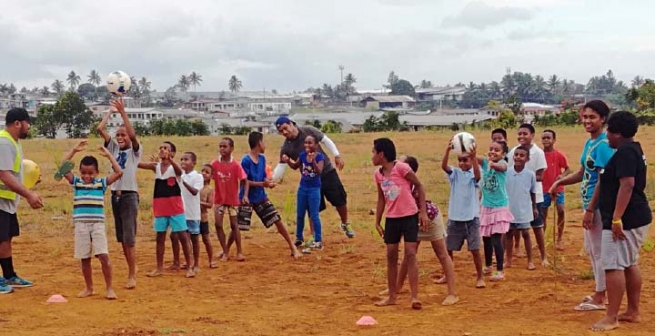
<point x="131" y="283"/>
<point x="545" y="263"/>
<point x="519" y="252"/>
<point x="441" y="280"/>
<point x="630" y="318"/>
<point x="480" y="284"/>
<point x="450" y="300"/>
<point x="386" y="292"/>
<point x="386" y="302"/>
<point x="196" y="269"/>
<point x="507" y="264"/>
<point x="111" y="295"/>
<point x="174" y="267"/>
<point x="559" y="246"/>
<point x="85" y="293"/>
<point x="606" y="324"/>
<point x="155" y="273"/>
<point x="190" y="273"/>
<point x="531" y="266"/>
<point x="223" y="257"/>
<point x="213" y="265"/>
<point x="240" y="257"/>
<point x="416" y="304"/>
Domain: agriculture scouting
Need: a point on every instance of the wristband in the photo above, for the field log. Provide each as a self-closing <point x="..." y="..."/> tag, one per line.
<point x="617" y="222"/>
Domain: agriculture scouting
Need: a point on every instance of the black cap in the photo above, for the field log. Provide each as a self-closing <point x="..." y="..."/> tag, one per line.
<point x="16" y="114"/>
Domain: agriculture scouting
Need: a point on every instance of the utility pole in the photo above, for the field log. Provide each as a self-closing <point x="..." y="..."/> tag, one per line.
<point x="341" y="68"/>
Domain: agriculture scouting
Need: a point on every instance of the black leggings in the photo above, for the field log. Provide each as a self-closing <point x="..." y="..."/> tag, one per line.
<point x="494" y="244"/>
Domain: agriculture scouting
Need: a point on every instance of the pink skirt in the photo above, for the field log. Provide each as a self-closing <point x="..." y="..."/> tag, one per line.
<point x="494" y="220"/>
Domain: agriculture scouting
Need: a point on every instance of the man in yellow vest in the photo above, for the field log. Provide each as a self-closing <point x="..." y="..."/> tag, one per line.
<point x="17" y="126"/>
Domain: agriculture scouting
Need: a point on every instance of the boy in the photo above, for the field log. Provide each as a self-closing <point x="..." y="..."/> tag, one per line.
<point x="254" y="165"/>
<point x="536" y="163"/>
<point x="394" y="182"/>
<point x="499" y="135"/>
<point x="192" y="182"/>
<point x="228" y="176"/>
<point x="464" y="209"/>
<point x="558" y="167"/>
<point x="124" y="193"/>
<point x="167" y="205"/>
<point x="206" y="203"/>
<point x="89" y="215"/>
<point x="521" y="187"/>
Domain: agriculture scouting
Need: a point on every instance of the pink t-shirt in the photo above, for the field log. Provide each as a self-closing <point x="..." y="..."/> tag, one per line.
<point x="227" y="177"/>
<point x="397" y="191"/>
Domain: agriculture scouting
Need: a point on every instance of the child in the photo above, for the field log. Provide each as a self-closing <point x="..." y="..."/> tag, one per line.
<point x="124" y="193"/>
<point x="192" y="182"/>
<point x="464" y="208"/>
<point x="521" y="186"/>
<point x="309" y="192"/>
<point x="558" y="167"/>
<point x="228" y="177"/>
<point x="254" y="164"/>
<point x="89" y="215"/>
<point x="494" y="212"/>
<point x="499" y="135"/>
<point x="435" y="235"/>
<point x="538" y="165"/>
<point x="167" y="206"/>
<point x="394" y="182"/>
<point x="206" y="203"/>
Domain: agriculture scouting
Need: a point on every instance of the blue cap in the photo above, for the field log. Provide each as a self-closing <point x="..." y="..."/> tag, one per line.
<point x="283" y="120"/>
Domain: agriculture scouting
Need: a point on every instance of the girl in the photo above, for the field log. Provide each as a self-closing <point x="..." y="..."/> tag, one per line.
<point x="309" y="191"/>
<point x="494" y="212"/>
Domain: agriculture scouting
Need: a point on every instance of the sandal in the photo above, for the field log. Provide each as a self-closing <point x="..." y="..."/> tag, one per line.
<point x="65" y="168"/>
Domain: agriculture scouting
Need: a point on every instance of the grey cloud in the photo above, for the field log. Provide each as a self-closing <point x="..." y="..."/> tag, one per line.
<point x="479" y="15"/>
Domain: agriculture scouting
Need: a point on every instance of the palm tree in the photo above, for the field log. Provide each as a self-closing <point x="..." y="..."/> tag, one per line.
<point x="637" y="82"/>
<point x="553" y="83"/>
<point x="58" y="87"/>
<point x="4" y="88"/>
<point x="540" y="87"/>
<point x="144" y="86"/>
<point x="45" y="91"/>
<point x="73" y="80"/>
<point x="94" y="78"/>
<point x="195" y="79"/>
<point x="183" y="83"/>
<point x="235" y="84"/>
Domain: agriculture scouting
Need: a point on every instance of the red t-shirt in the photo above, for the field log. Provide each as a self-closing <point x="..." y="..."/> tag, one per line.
<point x="557" y="163"/>
<point x="227" y="177"/>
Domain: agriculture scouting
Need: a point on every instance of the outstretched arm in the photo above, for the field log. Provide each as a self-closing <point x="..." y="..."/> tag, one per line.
<point x="69" y="155"/>
<point x="131" y="133"/>
<point x="444" y="161"/>
<point x="117" y="171"/>
<point x="102" y="125"/>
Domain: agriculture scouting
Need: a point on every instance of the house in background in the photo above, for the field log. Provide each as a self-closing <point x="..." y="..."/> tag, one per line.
<point x="388" y="102"/>
<point x="452" y="93"/>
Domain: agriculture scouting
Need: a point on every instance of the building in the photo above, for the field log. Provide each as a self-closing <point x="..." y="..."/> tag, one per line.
<point x="420" y="122"/>
<point x="349" y="120"/>
<point x="388" y="102"/>
<point x="217" y="124"/>
<point x="449" y="93"/>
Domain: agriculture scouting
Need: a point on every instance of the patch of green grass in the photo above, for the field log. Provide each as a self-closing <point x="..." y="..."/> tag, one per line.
<point x="648" y="245"/>
<point x="586" y="275"/>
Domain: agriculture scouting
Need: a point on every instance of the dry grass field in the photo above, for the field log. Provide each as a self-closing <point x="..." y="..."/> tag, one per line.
<point x="322" y="294"/>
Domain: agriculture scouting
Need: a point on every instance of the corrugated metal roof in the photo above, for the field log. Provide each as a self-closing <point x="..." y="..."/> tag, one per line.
<point x="391" y="99"/>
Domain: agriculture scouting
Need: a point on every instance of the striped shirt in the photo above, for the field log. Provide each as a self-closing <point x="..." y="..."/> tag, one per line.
<point x="89" y="199"/>
<point x="167" y="198"/>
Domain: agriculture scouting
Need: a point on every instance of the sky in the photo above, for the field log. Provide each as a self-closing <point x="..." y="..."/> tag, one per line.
<point x="295" y="44"/>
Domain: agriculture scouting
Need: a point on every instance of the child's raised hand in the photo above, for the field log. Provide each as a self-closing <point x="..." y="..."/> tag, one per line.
<point x="473" y="151"/>
<point x="104" y="152"/>
<point x="154" y="158"/>
<point x="311" y="157"/>
<point x="81" y="146"/>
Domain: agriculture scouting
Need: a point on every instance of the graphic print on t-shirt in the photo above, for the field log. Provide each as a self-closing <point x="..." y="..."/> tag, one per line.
<point x="390" y="190"/>
<point x="308" y="170"/>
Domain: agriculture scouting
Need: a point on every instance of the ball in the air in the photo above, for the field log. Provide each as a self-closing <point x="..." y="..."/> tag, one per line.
<point x="118" y="82"/>
<point x="463" y="142"/>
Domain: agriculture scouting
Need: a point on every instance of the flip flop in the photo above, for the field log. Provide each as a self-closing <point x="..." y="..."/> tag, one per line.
<point x="588" y="306"/>
<point x="65" y="168"/>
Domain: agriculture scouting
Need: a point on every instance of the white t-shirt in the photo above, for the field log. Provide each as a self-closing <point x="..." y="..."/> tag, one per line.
<point x="537" y="161"/>
<point x="191" y="202"/>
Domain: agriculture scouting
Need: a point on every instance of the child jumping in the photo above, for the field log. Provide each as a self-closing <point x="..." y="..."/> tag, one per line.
<point x="167" y="206"/>
<point x="228" y="178"/>
<point x="311" y="163"/>
<point x="464" y="208"/>
<point x="254" y="164"/>
<point x="394" y="182"/>
<point x="89" y="215"/>
<point x="435" y="235"/>
<point x="521" y="188"/>
<point x="494" y="212"/>
<point x="558" y="167"/>
<point x="206" y="203"/>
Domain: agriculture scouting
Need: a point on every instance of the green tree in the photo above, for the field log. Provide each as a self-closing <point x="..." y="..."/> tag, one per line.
<point x="315" y="122"/>
<point x="392" y="79"/>
<point x="140" y="128"/>
<point x="87" y="91"/>
<point x="371" y="124"/>
<point x="425" y="84"/>
<point x="58" y="87"/>
<point x="390" y="121"/>
<point x="94" y="78"/>
<point x="73" y="80"/>
<point x="45" y="91"/>
<point x="76" y="115"/>
<point x="332" y="126"/>
<point x="242" y="130"/>
<point x="183" y="128"/>
<point x="403" y="87"/>
<point x="195" y="79"/>
<point x="199" y="128"/>
<point x="235" y="84"/>
<point x="48" y="122"/>
<point x="225" y="129"/>
<point x="183" y="83"/>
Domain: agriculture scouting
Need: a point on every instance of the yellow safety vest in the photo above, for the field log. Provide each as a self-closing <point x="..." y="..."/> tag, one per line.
<point x="4" y="191"/>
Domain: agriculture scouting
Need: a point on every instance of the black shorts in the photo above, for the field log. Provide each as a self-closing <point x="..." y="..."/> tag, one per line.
<point x="267" y="213"/>
<point x="405" y="227"/>
<point x="204" y="228"/>
<point x="332" y="190"/>
<point x="8" y="226"/>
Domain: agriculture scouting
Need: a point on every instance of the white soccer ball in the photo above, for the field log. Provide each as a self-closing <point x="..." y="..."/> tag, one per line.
<point x="463" y="142"/>
<point x="118" y="82"/>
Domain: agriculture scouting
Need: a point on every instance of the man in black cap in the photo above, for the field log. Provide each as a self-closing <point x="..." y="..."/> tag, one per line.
<point x="17" y="126"/>
<point x="331" y="186"/>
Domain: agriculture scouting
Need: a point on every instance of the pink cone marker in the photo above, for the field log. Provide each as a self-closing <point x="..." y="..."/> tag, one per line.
<point x="57" y="298"/>
<point x="366" y="321"/>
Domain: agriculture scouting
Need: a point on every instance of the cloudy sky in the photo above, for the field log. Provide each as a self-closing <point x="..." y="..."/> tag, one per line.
<point x="294" y="44"/>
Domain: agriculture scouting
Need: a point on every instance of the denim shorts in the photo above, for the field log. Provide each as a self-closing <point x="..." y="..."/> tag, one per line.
<point x="459" y="231"/>
<point x="539" y="221"/>
<point x="193" y="226"/>
<point x="548" y="199"/>
<point x="519" y="226"/>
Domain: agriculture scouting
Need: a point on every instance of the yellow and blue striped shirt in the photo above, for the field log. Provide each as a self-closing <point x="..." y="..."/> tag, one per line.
<point x="89" y="199"/>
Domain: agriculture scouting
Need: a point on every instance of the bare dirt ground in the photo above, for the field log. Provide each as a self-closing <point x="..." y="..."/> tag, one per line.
<point x="322" y="294"/>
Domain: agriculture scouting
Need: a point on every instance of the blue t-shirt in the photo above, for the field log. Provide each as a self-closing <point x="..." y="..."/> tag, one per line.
<point x="308" y="177"/>
<point x="519" y="187"/>
<point x="595" y="155"/>
<point x="256" y="172"/>
<point x="494" y="193"/>
<point x="464" y="204"/>
<point x="89" y="199"/>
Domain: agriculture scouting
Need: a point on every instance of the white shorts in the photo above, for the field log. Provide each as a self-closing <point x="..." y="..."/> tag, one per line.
<point x="621" y="254"/>
<point x="90" y="237"/>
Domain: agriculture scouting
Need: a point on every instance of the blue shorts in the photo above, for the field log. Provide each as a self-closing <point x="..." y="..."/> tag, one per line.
<point x="548" y="200"/>
<point x="177" y="223"/>
<point x="194" y="226"/>
<point x="519" y="226"/>
<point x="539" y="221"/>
